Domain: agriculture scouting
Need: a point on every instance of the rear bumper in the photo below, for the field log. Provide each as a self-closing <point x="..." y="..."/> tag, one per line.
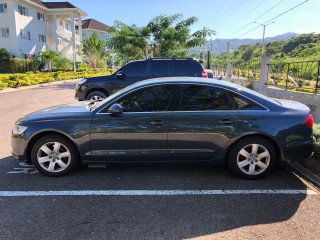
<point x="299" y="150"/>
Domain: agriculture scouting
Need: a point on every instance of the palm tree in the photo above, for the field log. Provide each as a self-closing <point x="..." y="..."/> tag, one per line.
<point x="94" y="49"/>
<point x="49" y="56"/>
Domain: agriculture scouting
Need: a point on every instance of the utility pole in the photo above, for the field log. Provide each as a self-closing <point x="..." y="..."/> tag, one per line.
<point x="264" y="31"/>
<point x="228" y="50"/>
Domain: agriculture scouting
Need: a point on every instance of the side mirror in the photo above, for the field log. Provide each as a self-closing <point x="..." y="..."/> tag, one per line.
<point x="116" y="109"/>
<point x="120" y="75"/>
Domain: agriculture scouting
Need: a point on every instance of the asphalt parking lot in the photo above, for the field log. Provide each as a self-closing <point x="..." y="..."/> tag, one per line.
<point x="144" y="201"/>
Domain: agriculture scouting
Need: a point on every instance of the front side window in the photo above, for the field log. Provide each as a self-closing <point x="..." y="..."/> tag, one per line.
<point x="4" y="32"/>
<point x="149" y="99"/>
<point x="3" y="8"/>
<point x="23" y="10"/>
<point x="135" y="69"/>
<point x="25" y="34"/>
<point x="203" y="98"/>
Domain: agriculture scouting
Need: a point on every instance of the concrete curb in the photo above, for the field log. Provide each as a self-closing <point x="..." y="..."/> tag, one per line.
<point x="8" y="90"/>
<point x="306" y="173"/>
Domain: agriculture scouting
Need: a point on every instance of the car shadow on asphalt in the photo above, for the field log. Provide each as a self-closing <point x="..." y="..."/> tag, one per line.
<point x="162" y="217"/>
<point x="58" y="86"/>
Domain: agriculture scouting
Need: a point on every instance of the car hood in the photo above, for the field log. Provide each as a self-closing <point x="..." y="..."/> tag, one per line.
<point x="66" y="111"/>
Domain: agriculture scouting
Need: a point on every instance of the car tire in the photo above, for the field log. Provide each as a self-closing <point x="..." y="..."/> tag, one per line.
<point x="96" y="95"/>
<point x="252" y="158"/>
<point x="54" y="155"/>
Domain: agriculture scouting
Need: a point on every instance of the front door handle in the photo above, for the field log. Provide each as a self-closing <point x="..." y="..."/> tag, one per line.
<point x="157" y="122"/>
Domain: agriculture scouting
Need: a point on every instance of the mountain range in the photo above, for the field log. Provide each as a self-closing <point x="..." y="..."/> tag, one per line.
<point x="219" y="46"/>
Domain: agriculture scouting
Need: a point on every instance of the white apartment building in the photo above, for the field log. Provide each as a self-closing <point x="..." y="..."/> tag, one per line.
<point x="89" y="26"/>
<point x="30" y="26"/>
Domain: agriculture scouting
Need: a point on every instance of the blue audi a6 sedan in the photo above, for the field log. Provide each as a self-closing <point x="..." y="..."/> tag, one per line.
<point x="168" y="120"/>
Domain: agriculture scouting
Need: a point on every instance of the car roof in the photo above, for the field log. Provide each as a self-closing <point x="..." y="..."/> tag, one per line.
<point x="208" y="81"/>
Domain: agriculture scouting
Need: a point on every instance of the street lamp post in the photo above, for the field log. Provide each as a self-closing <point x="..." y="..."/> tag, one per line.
<point x="264" y="31"/>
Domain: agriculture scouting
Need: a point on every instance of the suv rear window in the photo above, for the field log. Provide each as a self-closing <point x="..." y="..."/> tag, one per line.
<point x="184" y="68"/>
<point x="160" y="68"/>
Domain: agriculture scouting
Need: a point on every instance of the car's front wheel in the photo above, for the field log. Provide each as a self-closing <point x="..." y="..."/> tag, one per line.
<point x="96" y="96"/>
<point x="252" y="158"/>
<point x="54" y="155"/>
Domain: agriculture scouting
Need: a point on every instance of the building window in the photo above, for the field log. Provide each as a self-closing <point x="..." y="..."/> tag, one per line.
<point x="25" y="34"/>
<point x="42" y="38"/>
<point x="59" y="41"/>
<point x="4" y="32"/>
<point x="40" y="16"/>
<point x="3" y="8"/>
<point x="68" y="27"/>
<point x="23" y="10"/>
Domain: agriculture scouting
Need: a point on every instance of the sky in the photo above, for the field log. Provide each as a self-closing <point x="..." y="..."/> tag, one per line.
<point x="229" y="18"/>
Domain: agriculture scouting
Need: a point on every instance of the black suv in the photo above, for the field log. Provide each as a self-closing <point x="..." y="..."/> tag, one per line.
<point x="96" y="88"/>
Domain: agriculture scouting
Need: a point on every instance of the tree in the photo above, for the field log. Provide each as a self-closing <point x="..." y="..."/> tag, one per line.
<point x="48" y="57"/>
<point x="4" y="55"/>
<point x="163" y="36"/>
<point x="94" y="49"/>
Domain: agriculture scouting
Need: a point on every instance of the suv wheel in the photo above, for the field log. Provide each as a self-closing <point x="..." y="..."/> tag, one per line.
<point x="96" y="95"/>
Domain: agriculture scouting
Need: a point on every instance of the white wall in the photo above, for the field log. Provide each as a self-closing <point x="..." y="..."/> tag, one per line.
<point x="32" y="24"/>
<point x="7" y="21"/>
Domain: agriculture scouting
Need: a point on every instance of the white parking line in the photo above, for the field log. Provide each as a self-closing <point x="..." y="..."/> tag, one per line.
<point x="152" y="192"/>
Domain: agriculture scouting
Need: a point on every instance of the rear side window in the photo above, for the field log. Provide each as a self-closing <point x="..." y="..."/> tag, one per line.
<point x="203" y="98"/>
<point x="161" y="68"/>
<point x="135" y="69"/>
<point x="245" y="104"/>
<point x="184" y="68"/>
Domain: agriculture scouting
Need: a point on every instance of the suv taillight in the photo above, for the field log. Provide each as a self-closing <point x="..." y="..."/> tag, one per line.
<point x="309" y="121"/>
<point x="204" y="74"/>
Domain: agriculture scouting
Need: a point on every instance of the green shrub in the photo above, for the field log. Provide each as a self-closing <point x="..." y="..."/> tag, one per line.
<point x="3" y="85"/>
<point x="316" y="134"/>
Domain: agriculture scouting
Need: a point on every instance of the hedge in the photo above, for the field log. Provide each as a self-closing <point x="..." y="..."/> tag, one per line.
<point x="30" y="78"/>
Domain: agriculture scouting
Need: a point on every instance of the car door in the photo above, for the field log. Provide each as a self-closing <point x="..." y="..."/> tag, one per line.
<point x="203" y="123"/>
<point x="139" y="133"/>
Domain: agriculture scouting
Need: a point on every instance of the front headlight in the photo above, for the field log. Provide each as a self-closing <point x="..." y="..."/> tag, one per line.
<point x="81" y="82"/>
<point x="18" y="130"/>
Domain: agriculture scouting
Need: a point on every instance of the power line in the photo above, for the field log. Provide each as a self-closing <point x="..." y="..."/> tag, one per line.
<point x="287" y="11"/>
<point x="248" y="13"/>
<point x="227" y="13"/>
<point x="275" y="17"/>
<point x="256" y="18"/>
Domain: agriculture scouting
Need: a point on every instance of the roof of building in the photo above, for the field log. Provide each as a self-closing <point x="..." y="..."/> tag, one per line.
<point x="94" y="25"/>
<point x="55" y="5"/>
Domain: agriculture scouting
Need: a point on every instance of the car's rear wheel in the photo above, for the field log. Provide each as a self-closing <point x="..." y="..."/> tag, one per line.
<point x="252" y="158"/>
<point x="54" y="155"/>
<point x="96" y="96"/>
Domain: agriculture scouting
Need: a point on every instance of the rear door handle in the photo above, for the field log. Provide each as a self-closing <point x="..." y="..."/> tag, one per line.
<point x="157" y="122"/>
<point x="226" y="121"/>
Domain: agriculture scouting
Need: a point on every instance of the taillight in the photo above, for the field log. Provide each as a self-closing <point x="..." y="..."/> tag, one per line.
<point x="204" y="74"/>
<point x="309" y="121"/>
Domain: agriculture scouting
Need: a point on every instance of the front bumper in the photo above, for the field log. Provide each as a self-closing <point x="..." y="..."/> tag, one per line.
<point x="19" y="147"/>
